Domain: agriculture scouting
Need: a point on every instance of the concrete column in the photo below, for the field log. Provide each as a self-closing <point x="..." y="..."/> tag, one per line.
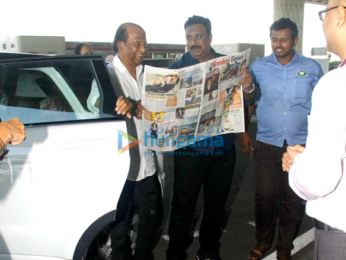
<point x="293" y="9"/>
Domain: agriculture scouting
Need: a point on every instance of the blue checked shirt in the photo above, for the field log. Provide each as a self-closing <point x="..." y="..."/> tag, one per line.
<point x="284" y="98"/>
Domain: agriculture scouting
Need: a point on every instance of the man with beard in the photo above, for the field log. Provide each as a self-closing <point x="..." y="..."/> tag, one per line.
<point x="204" y="167"/>
<point x="286" y="81"/>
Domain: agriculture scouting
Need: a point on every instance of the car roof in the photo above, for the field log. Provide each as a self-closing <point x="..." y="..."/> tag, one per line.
<point x="6" y="55"/>
<point x="19" y="57"/>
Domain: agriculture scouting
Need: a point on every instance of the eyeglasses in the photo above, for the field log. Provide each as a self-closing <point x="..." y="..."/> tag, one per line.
<point x="322" y="14"/>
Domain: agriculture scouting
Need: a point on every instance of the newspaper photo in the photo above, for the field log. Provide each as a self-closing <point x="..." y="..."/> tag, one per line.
<point x="184" y="106"/>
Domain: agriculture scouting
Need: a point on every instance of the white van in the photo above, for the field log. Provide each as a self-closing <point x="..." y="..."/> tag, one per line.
<point x="59" y="189"/>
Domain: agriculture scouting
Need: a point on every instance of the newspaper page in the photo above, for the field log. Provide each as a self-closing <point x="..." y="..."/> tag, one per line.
<point x="190" y="104"/>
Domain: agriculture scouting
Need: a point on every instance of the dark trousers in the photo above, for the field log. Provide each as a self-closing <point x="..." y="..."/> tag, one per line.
<point x="144" y="198"/>
<point x="271" y="188"/>
<point x="215" y="173"/>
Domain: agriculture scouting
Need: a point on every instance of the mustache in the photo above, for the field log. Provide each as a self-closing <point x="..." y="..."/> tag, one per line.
<point x="195" y="46"/>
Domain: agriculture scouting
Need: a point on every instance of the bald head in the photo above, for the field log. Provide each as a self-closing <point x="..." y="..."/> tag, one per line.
<point x="122" y="34"/>
<point x="130" y="43"/>
<point x="334" y="27"/>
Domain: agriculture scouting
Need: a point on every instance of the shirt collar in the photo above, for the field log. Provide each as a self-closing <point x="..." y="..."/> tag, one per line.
<point x="118" y="64"/>
<point x="296" y="57"/>
<point x="191" y="58"/>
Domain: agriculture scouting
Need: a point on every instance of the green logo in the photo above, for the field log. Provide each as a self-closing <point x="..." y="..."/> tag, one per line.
<point x="301" y="73"/>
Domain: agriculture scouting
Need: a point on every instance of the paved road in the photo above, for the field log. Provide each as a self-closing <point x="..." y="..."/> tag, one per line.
<point x="239" y="237"/>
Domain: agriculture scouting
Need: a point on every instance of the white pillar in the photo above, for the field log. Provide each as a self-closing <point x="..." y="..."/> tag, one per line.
<point x="293" y="9"/>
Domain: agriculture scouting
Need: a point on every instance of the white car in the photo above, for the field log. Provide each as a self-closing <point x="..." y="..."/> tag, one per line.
<point x="59" y="189"/>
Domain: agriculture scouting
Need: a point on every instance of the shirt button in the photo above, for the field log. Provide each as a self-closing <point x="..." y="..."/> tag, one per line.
<point x="285" y="114"/>
<point x="284" y="95"/>
<point x="284" y="81"/>
<point x="285" y="128"/>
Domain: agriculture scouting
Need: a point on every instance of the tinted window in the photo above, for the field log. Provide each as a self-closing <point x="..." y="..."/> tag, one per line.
<point x="50" y="91"/>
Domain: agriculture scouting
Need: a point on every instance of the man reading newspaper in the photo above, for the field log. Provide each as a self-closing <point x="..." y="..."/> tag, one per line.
<point x="206" y="165"/>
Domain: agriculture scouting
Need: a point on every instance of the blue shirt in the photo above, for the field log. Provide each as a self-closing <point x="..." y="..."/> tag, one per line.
<point x="284" y="98"/>
<point x="208" y="147"/>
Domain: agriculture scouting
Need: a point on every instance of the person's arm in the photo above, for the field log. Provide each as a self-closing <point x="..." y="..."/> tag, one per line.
<point x="249" y="88"/>
<point x="139" y="109"/>
<point x="318" y="170"/>
<point x="124" y="106"/>
<point x="12" y="131"/>
<point x="245" y="139"/>
<point x="288" y="157"/>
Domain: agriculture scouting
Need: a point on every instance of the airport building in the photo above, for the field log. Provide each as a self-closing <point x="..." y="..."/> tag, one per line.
<point x="159" y="55"/>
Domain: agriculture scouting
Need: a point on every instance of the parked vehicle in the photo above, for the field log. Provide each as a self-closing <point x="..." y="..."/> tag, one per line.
<point x="59" y="197"/>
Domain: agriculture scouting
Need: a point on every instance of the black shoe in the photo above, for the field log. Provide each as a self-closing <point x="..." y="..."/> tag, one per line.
<point x="208" y="257"/>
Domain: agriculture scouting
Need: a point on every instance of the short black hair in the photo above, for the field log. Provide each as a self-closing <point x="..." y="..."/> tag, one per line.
<point x="199" y="19"/>
<point x="121" y="35"/>
<point x="284" y="23"/>
<point x="79" y="47"/>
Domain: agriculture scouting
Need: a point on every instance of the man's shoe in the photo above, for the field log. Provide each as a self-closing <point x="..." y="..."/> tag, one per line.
<point x="283" y="256"/>
<point x="208" y="257"/>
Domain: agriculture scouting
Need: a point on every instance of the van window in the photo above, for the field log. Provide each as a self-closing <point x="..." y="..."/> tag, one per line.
<point x="50" y="91"/>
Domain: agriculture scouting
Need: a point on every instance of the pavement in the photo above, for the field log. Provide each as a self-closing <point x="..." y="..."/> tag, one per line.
<point x="239" y="235"/>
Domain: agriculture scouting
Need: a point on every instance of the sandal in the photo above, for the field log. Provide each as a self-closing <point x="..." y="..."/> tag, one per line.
<point x="258" y="252"/>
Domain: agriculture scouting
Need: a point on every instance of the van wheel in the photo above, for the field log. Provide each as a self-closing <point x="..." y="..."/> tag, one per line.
<point x="103" y="241"/>
<point x="98" y="248"/>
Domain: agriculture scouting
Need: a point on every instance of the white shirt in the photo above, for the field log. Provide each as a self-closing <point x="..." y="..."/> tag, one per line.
<point x="318" y="174"/>
<point x="132" y="89"/>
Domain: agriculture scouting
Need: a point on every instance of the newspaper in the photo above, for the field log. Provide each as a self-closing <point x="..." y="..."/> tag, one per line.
<point x="190" y="104"/>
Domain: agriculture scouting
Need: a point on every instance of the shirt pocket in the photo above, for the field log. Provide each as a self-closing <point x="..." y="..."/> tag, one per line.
<point x="303" y="88"/>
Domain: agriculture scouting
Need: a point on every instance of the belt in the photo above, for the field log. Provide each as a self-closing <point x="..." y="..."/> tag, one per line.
<point x="321" y="226"/>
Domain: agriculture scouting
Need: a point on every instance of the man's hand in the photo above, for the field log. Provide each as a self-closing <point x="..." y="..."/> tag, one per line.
<point x="12" y="131"/>
<point x="123" y="106"/>
<point x="293" y="151"/>
<point x="139" y="109"/>
<point x="288" y="157"/>
<point x="246" y="144"/>
<point x="286" y="162"/>
<point x="246" y="81"/>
